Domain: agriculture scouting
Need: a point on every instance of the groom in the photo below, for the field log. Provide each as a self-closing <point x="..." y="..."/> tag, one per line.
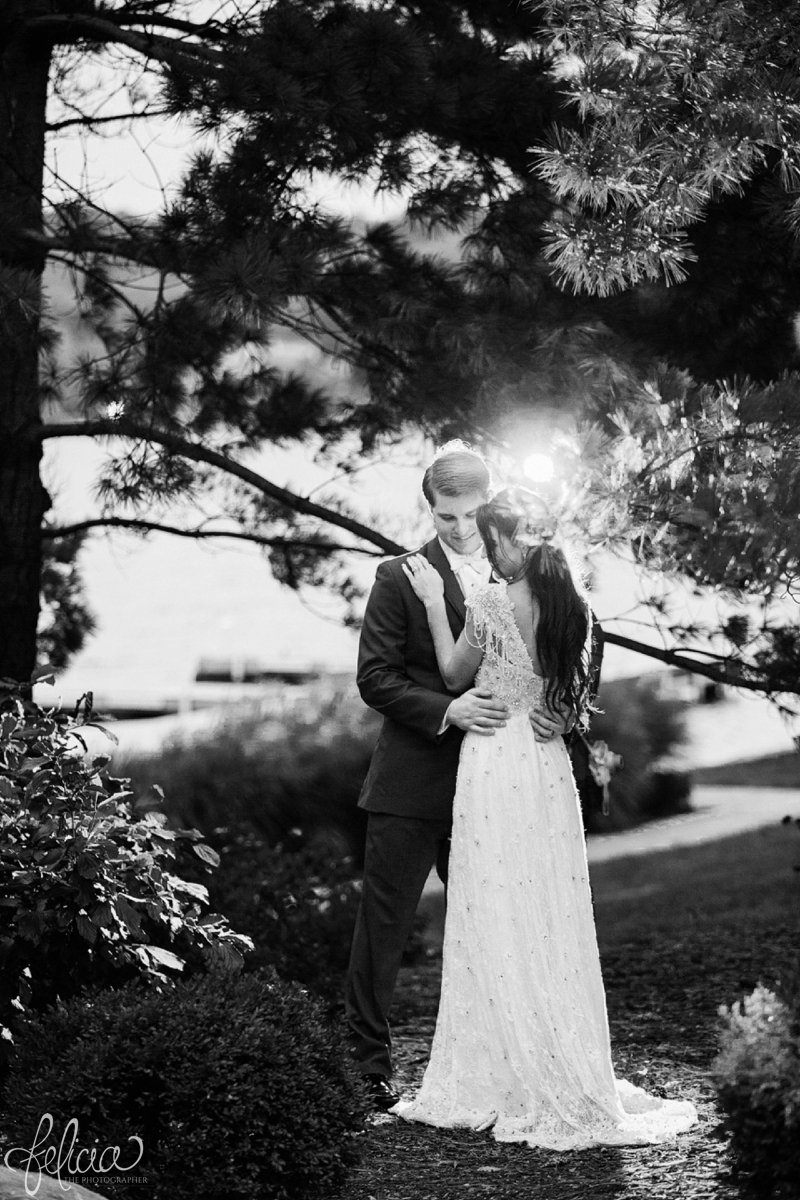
<point x="408" y="791"/>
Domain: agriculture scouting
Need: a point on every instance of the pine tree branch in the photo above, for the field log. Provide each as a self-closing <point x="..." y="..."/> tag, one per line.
<point x="54" y="532"/>
<point x="196" y="452"/>
<point x="675" y="658"/>
<point x="72" y="265"/>
<point x="132" y="228"/>
<point x="712" y="442"/>
<point x="93" y="243"/>
<point x="350" y="333"/>
<point x="71" y="28"/>
<point x="81" y="239"/>
<point x="89" y="122"/>
<point x="210" y="29"/>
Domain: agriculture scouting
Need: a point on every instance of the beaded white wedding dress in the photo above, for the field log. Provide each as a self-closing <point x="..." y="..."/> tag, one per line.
<point x="522" y="1043"/>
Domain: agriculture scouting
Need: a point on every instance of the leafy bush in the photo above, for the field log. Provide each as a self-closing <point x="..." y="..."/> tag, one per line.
<point x="298" y="907"/>
<point x="757" y="1078"/>
<point x="89" y="892"/>
<point x="235" y="1084"/>
<point x="272" y="774"/>
<point x="277" y="798"/>
<point x="297" y="903"/>
<point x="646" y="729"/>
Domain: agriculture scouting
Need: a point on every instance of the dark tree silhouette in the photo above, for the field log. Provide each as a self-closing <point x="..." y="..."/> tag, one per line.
<point x="583" y="158"/>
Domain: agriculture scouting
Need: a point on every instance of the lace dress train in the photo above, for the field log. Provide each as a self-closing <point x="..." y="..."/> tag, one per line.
<point x="521" y="1042"/>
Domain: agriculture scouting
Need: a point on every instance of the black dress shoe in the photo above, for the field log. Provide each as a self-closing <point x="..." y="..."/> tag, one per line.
<point x="381" y="1093"/>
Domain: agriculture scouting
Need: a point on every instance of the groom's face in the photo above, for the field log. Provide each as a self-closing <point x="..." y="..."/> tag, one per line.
<point x="454" y="520"/>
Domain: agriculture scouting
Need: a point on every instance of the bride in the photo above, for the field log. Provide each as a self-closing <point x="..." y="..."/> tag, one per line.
<point x="522" y="1042"/>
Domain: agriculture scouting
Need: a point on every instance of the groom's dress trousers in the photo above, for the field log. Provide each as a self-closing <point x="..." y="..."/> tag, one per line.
<point x="408" y="791"/>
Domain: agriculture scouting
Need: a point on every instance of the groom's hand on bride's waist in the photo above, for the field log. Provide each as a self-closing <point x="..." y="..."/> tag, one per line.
<point x="476" y="712"/>
<point x="549" y="724"/>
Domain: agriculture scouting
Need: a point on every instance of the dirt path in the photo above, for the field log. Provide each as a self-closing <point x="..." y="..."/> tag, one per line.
<point x="680" y="933"/>
<point x="414" y="1162"/>
<point x="717" y="812"/>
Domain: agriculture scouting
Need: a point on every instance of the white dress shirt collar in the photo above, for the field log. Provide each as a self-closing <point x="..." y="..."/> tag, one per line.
<point x="471" y="570"/>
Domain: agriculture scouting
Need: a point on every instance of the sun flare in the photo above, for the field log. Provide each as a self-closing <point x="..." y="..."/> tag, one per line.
<point x="539" y="468"/>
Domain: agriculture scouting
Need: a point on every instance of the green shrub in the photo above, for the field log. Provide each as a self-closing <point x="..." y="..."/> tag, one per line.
<point x="90" y="893"/>
<point x="298" y="907"/>
<point x="272" y="774"/>
<point x="757" y="1078"/>
<point x="236" y="1085"/>
<point x="277" y="796"/>
<point x="646" y="729"/>
<point x="297" y="903"/>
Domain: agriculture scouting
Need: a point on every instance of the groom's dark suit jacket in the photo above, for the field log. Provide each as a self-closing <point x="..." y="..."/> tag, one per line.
<point x="413" y="768"/>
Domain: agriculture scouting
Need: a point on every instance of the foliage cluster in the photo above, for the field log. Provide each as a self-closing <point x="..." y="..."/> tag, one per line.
<point x="591" y="147"/>
<point x="679" y="104"/>
<point x="298" y="905"/>
<point x="234" y="1078"/>
<point x="757" y="1078"/>
<point x="276" y="796"/>
<point x="286" y="776"/>
<point x="645" y="729"/>
<point x="90" y="891"/>
<point x="66" y="620"/>
<point x="714" y="468"/>
<point x="235" y="1084"/>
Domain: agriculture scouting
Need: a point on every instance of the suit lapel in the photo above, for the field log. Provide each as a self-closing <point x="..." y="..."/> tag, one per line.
<point x="452" y="590"/>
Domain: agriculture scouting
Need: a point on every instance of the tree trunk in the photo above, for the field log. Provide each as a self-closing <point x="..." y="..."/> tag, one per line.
<point x="23" y="99"/>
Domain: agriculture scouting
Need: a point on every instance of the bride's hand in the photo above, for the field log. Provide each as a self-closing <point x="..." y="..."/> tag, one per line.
<point x="426" y="581"/>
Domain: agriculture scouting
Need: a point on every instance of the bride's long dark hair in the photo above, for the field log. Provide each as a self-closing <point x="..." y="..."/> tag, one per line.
<point x="564" y="627"/>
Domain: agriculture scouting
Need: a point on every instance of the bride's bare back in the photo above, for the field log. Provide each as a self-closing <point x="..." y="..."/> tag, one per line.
<point x="526" y="618"/>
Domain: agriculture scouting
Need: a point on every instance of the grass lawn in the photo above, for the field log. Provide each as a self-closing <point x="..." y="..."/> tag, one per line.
<point x="680" y="932"/>
<point x="774" y="770"/>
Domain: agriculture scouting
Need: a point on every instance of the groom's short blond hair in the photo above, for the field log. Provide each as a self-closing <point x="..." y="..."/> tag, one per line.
<point x="456" y="470"/>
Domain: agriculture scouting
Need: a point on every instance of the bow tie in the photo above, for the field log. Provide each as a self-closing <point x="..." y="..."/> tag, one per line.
<point x="478" y="559"/>
<point x="471" y="570"/>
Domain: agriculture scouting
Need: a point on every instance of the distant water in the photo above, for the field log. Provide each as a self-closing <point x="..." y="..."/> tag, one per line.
<point x="162" y="603"/>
